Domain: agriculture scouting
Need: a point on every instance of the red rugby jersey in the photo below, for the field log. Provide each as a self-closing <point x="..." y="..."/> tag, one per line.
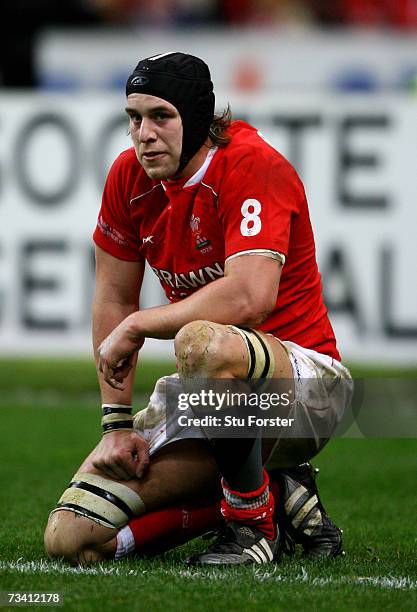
<point x="245" y="197"/>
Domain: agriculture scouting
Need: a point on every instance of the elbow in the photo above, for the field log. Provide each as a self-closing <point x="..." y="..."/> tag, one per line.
<point x="254" y="311"/>
<point x="253" y="319"/>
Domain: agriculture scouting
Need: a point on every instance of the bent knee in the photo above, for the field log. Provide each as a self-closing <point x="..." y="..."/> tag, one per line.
<point x="75" y="538"/>
<point x="61" y="538"/>
<point x="199" y="347"/>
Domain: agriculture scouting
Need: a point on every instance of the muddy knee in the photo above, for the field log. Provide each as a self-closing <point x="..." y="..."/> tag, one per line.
<point x="200" y="347"/>
<point x="206" y="349"/>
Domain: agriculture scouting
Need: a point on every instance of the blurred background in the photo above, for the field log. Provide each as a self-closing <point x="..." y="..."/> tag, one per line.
<point x="331" y="84"/>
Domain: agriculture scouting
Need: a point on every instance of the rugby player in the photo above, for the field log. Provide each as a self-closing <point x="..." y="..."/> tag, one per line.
<point x="222" y="219"/>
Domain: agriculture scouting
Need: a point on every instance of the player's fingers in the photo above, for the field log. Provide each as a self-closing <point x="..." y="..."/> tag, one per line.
<point x="105" y="469"/>
<point x="113" y="470"/>
<point x="122" y="467"/>
<point x="124" y="364"/>
<point x="118" y="376"/>
<point x="110" y="377"/>
<point x="130" y="466"/>
<point x="120" y="373"/>
<point x="142" y="466"/>
<point x="142" y="461"/>
<point x="116" y="384"/>
<point x="113" y="382"/>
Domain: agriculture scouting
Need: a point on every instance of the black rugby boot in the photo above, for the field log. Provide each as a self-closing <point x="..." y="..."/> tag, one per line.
<point x="301" y="515"/>
<point x="238" y="544"/>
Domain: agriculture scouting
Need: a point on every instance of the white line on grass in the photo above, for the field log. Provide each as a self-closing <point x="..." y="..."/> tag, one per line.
<point x="261" y="575"/>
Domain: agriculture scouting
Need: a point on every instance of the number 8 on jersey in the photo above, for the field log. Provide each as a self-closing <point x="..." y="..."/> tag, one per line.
<point x="251" y="223"/>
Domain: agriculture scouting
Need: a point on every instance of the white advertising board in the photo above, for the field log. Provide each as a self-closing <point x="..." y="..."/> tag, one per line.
<point x="356" y="156"/>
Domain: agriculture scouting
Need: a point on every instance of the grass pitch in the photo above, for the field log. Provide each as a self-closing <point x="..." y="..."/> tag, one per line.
<point x="50" y="420"/>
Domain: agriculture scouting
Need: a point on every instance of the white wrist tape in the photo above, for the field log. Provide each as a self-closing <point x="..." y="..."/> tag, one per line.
<point x="116" y="416"/>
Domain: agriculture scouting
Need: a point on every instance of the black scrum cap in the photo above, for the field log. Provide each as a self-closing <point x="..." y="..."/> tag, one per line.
<point x="184" y="81"/>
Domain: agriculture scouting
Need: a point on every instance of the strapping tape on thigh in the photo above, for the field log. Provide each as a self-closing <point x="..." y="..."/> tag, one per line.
<point x="261" y="357"/>
<point x="109" y="503"/>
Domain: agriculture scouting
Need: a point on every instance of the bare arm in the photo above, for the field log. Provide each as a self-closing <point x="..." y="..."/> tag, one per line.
<point x="244" y="296"/>
<point x="116" y="297"/>
<point x="122" y="454"/>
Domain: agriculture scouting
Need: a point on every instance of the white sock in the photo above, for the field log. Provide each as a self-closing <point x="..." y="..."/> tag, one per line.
<point x="125" y="543"/>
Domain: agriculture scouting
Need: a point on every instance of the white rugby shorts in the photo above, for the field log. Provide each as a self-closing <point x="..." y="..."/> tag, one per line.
<point x="316" y="407"/>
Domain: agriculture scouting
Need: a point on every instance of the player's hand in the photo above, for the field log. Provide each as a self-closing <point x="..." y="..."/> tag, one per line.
<point x="121" y="455"/>
<point x="115" y="353"/>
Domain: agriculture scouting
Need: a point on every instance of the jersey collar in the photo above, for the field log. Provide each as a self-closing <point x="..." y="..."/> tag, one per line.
<point x="195" y="178"/>
<point x="199" y="175"/>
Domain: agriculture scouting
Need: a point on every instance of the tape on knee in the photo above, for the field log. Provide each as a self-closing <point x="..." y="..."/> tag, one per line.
<point x="109" y="503"/>
<point x="261" y="357"/>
